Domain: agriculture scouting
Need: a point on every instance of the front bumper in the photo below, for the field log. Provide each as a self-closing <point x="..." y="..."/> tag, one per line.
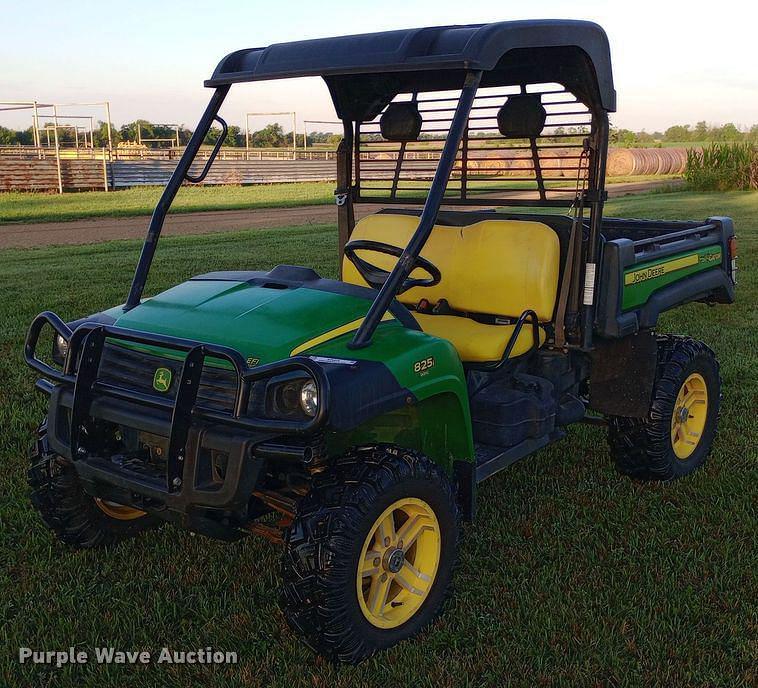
<point x="190" y="489"/>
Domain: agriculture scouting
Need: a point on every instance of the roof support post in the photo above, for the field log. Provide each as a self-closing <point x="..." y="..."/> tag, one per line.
<point x="167" y="198"/>
<point x="597" y="199"/>
<point x="343" y="194"/>
<point x="407" y="260"/>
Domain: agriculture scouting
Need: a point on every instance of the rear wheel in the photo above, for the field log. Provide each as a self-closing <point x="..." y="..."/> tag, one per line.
<point x="370" y="555"/>
<point x="676" y="436"/>
<point x="78" y="519"/>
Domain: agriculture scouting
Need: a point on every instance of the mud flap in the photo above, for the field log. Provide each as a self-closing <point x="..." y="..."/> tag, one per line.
<point x="622" y="375"/>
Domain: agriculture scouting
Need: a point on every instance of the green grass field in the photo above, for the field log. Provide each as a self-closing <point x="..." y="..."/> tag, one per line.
<point x="42" y="207"/>
<point x="572" y="575"/>
<point x="22" y="207"/>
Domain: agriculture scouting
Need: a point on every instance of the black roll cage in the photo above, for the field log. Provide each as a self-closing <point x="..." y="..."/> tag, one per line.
<point x="591" y="197"/>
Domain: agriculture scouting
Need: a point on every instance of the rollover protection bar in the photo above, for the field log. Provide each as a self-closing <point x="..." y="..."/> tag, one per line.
<point x="85" y="346"/>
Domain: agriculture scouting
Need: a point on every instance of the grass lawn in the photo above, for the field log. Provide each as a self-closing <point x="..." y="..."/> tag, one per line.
<point x="21" y="207"/>
<point x="140" y="200"/>
<point x="572" y="575"/>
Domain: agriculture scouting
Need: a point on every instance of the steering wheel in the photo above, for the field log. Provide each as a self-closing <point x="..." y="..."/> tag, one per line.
<point x="376" y="277"/>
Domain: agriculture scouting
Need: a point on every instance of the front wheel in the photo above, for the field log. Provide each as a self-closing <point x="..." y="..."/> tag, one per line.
<point x="676" y="436"/>
<point x="76" y="518"/>
<point x="370" y="555"/>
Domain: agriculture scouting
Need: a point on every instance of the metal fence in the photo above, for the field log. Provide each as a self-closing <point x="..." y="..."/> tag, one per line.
<point x="30" y="168"/>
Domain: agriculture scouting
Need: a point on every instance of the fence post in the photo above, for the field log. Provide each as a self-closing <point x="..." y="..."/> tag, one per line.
<point x="105" y="171"/>
<point x="57" y="151"/>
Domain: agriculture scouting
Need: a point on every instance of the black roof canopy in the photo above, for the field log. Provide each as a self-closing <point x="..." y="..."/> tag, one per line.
<point x="365" y="71"/>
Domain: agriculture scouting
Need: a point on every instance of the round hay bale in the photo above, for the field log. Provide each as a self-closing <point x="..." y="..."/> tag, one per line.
<point x="570" y="163"/>
<point x="641" y="162"/>
<point x="679" y="160"/>
<point x="520" y="162"/>
<point x="490" y="162"/>
<point x="644" y="162"/>
<point x="655" y="158"/>
<point x="498" y="167"/>
<point x="621" y="162"/>
<point x="552" y="161"/>
<point x="666" y="160"/>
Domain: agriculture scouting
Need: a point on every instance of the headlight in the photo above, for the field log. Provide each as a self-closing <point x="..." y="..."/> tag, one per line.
<point x="309" y="398"/>
<point x="294" y="397"/>
<point x="60" y="349"/>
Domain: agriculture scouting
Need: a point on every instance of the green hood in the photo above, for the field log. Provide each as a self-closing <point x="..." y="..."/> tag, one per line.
<point x="264" y="321"/>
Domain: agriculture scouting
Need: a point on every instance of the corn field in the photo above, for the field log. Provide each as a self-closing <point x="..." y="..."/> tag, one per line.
<point x="723" y="167"/>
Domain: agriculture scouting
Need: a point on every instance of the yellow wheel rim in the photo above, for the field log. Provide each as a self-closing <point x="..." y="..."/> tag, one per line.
<point x="690" y="413"/>
<point x="118" y="511"/>
<point x="398" y="563"/>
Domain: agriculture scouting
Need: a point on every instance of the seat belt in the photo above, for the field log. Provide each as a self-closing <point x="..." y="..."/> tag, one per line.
<point x="563" y="296"/>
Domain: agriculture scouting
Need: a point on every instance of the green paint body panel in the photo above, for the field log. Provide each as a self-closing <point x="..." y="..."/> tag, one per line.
<point x="267" y="324"/>
<point x="654" y="275"/>
<point x="438" y="423"/>
<point x="259" y="322"/>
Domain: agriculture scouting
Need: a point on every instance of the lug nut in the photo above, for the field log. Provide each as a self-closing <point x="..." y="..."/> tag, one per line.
<point x="177" y="482"/>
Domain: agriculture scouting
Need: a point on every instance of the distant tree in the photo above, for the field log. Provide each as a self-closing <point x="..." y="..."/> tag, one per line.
<point x="678" y="133"/>
<point x="100" y="135"/>
<point x="26" y="137"/>
<point x="128" y="132"/>
<point x="212" y="136"/>
<point x="728" y="132"/>
<point x="161" y="131"/>
<point x="271" y="136"/>
<point x="148" y="130"/>
<point x="66" y="134"/>
<point x="701" y="132"/>
<point x="234" y="136"/>
<point x="8" y="137"/>
<point x="623" y="137"/>
<point x="315" y="138"/>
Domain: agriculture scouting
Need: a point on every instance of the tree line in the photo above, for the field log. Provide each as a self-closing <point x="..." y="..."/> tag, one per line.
<point x="270" y="136"/>
<point x="274" y="136"/>
<point x="702" y="132"/>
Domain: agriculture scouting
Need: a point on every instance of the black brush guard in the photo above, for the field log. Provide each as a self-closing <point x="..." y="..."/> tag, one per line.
<point x="190" y="423"/>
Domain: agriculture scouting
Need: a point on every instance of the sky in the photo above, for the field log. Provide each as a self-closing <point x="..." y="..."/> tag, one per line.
<point x="674" y="62"/>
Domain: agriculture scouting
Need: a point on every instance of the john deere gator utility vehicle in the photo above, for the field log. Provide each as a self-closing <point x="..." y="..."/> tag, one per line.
<point x="353" y="419"/>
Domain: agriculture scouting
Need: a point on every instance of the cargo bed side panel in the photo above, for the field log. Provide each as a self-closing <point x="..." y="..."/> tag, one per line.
<point x="641" y="279"/>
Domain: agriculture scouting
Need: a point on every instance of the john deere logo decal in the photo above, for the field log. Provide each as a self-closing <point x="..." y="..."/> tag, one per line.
<point x="162" y="380"/>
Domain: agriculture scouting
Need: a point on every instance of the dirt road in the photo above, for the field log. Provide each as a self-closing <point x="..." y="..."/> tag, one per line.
<point x="108" y="228"/>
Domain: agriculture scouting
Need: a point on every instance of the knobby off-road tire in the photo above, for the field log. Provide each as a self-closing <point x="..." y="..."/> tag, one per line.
<point x="328" y="566"/>
<point x="664" y="446"/>
<point x="73" y="515"/>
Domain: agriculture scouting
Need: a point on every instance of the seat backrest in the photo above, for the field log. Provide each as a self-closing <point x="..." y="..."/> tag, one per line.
<point x="499" y="267"/>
